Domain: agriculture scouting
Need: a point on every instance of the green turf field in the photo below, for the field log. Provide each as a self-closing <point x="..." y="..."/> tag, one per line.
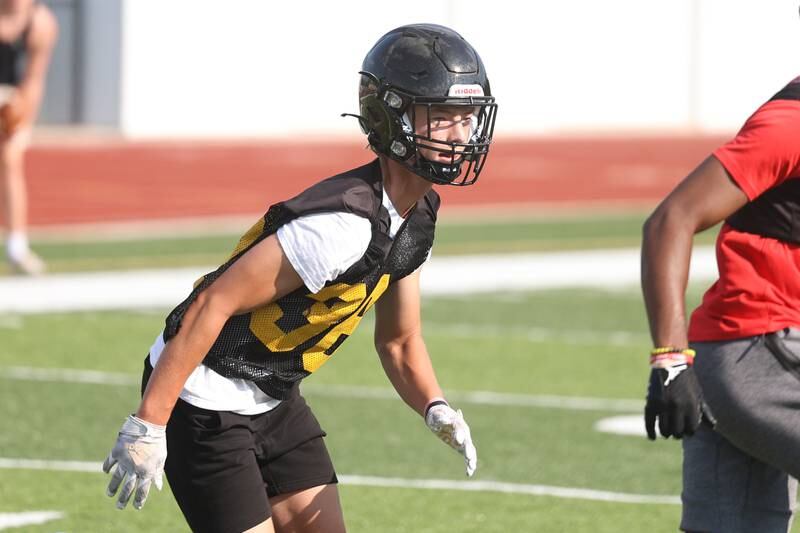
<point x="531" y="350"/>
<point x="566" y="343"/>
<point x="452" y="237"/>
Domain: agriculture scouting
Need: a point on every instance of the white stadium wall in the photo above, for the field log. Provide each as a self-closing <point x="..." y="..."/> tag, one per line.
<point x="263" y="68"/>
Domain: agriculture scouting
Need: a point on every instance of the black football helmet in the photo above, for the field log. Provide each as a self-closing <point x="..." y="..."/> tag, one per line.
<point x="410" y="71"/>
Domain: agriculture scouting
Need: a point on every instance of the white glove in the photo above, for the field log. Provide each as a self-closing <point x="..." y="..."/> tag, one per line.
<point x="139" y="454"/>
<point x="449" y="425"/>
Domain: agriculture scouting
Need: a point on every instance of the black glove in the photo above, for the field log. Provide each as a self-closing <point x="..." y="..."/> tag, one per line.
<point x="675" y="398"/>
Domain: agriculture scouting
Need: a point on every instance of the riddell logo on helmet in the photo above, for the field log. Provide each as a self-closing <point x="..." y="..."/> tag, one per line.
<point x="465" y="90"/>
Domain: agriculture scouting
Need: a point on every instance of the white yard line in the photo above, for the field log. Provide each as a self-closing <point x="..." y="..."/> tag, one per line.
<point x="11" y="463"/>
<point x="572" y="493"/>
<point x="576" y="403"/>
<point x="442" y="275"/>
<point x="632" y="425"/>
<point x="97" y="290"/>
<point x="534" y="334"/>
<point x="530" y="271"/>
<point x="68" y="375"/>
<point x="393" y="482"/>
<point x="27" y="518"/>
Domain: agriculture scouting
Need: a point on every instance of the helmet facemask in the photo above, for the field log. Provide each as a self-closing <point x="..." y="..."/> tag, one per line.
<point x="407" y="128"/>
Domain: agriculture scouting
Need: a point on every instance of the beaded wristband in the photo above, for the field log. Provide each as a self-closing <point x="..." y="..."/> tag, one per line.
<point x="670" y="349"/>
<point x="666" y="356"/>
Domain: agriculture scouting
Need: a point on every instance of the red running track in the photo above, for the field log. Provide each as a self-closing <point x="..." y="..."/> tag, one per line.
<point x="125" y="181"/>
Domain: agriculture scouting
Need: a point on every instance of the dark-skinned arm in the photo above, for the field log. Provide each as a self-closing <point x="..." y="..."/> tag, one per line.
<point x="704" y="198"/>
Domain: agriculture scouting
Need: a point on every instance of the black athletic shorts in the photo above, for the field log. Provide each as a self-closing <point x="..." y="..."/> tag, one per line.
<point x="222" y="467"/>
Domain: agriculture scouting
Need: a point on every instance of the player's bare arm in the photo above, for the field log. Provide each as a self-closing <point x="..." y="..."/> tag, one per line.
<point x="704" y="198"/>
<point x="260" y="276"/>
<point x="399" y="343"/>
<point x="405" y="359"/>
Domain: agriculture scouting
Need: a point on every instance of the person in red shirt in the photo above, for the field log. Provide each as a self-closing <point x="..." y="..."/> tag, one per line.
<point x="731" y="380"/>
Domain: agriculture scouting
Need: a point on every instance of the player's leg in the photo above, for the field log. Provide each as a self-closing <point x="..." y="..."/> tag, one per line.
<point x="735" y="478"/>
<point x="297" y="470"/>
<point x="15" y="203"/>
<point x="314" y="510"/>
<point x="12" y="169"/>
<point x="727" y="490"/>
<point x="212" y="470"/>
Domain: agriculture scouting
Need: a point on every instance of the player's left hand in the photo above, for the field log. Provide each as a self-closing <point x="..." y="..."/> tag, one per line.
<point x="449" y="425"/>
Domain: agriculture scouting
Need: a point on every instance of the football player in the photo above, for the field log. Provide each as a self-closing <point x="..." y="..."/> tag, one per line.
<point x="221" y="411"/>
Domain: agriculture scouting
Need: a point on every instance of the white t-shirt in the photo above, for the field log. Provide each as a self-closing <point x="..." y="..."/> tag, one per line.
<point x="320" y="247"/>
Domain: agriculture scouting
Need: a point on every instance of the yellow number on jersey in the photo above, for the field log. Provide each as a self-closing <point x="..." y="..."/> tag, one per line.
<point x="350" y="302"/>
<point x="315" y="357"/>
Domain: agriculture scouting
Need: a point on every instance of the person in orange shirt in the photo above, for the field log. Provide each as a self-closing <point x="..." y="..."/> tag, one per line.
<point x="28" y="32"/>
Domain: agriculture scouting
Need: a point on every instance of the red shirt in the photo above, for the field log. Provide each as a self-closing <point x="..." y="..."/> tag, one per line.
<point x="758" y="290"/>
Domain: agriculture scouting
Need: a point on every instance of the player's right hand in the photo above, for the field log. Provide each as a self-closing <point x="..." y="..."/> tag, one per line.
<point x="139" y="453"/>
<point x="674" y="397"/>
